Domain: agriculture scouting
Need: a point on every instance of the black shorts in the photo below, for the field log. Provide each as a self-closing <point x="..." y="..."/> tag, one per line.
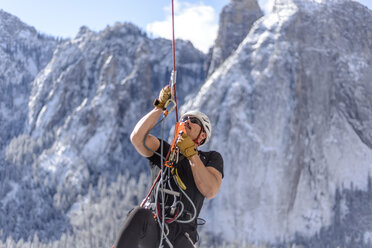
<point x="142" y="230"/>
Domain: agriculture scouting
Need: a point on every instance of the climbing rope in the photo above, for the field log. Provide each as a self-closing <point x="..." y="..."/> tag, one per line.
<point x="174" y="72"/>
<point x="168" y="170"/>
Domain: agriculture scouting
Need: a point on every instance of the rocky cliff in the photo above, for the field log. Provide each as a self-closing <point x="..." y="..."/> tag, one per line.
<point x="293" y="121"/>
<point x="23" y="53"/>
<point x="236" y="19"/>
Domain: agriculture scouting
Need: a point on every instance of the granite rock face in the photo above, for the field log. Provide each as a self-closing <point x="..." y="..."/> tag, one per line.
<point x="293" y="124"/>
<point x="236" y="19"/>
<point x="23" y="53"/>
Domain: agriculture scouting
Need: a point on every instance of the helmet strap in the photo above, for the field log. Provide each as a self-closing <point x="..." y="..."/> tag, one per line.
<point x="197" y="138"/>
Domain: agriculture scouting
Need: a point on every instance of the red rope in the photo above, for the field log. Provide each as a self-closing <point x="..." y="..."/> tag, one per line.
<point x="174" y="61"/>
<point x="173" y="42"/>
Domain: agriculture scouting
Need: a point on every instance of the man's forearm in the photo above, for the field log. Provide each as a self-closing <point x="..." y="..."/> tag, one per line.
<point x="146" y="123"/>
<point x="139" y="132"/>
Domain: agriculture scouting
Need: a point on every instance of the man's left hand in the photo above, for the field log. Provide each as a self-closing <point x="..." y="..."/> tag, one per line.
<point x="186" y="145"/>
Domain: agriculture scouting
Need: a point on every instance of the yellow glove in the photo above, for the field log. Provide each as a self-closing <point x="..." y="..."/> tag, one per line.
<point x="164" y="96"/>
<point x="186" y="145"/>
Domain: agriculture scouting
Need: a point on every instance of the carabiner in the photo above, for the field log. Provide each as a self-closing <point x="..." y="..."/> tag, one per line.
<point x="166" y="112"/>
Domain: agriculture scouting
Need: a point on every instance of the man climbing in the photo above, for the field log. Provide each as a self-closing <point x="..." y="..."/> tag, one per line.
<point x="195" y="176"/>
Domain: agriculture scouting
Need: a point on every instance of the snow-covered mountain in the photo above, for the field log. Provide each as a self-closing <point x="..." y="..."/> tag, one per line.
<point x="290" y="107"/>
<point x="94" y="90"/>
<point x="92" y="93"/>
<point x="293" y="124"/>
<point x="23" y="53"/>
<point x="77" y="116"/>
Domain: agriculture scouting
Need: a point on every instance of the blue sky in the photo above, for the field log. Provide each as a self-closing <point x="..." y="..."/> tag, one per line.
<point x="196" y="20"/>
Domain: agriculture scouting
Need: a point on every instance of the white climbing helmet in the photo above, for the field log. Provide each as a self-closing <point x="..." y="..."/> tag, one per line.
<point x="203" y="119"/>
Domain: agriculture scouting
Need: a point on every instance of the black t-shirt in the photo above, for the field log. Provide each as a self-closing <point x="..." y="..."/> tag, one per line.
<point x="211" y="158"/>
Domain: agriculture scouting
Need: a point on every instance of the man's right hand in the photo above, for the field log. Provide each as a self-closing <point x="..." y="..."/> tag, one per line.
<point x="186" y="145"/>
<point x="164" y="96"/>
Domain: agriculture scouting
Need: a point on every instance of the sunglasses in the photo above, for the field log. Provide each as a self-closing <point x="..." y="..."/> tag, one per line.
<point x="192" y="120"/>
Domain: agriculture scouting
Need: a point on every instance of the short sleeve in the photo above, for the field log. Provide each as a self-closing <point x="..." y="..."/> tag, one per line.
<point x="215" y="160"/>
<point x="155" y="159"/>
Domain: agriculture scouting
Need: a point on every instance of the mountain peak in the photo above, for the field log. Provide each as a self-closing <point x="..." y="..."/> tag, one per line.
<point x="236" y="19"/>
<point x="122" y="29"/>
<point x="11" y="24"/>
<point x="84" y="30"/>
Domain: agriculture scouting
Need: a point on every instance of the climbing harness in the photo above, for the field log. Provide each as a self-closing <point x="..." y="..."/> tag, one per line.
<point x="164" y="191"/>
<point x="163" y="187"/>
